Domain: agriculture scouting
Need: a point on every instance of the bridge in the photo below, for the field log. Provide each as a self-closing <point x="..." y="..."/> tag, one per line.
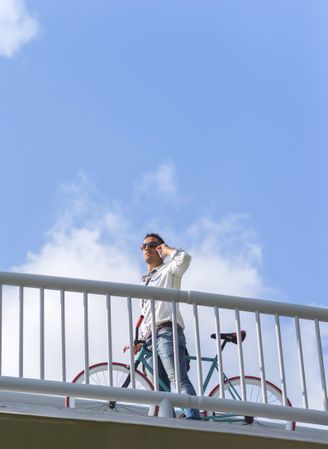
<point x="62" y="365"/>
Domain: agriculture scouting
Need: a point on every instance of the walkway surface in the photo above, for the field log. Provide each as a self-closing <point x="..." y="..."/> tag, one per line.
<point x="39" y="422"/>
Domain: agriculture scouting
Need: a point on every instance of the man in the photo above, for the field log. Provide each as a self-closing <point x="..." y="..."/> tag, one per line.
<point x="166" y="275"/>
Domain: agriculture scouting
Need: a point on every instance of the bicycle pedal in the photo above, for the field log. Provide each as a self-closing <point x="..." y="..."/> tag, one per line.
<point x="248" y="420"/>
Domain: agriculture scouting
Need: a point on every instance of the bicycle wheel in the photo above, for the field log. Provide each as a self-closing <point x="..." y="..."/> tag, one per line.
<point x="232" y="390"/>
<point x="98" y="375"/>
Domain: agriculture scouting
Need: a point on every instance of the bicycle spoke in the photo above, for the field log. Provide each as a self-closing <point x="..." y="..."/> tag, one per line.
<point x="98" y="375"/>
<point x="254" y="395"/>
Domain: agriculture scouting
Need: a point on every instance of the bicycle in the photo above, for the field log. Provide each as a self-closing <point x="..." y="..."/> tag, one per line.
<point x="98" y="375"/>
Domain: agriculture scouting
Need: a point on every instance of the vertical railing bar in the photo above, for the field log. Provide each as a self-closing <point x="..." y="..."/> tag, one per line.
<point x="132" y="368"/>
<point x="63" y="333"/>
<point x="301" y="362"/>
<point x="21" y="330"/>
<point x="176" y="346"/>
<point x="322" y="368"/>
<point x="281" y="360"/>
<point x="261" y="356"/>
<point x="154" y="344"/>
<point x="42" y="370"/>
<point x="1" y="308"/>
<point x="198" y="351"/>
<point x="109" y="341"/>
<point x="240" y="356"/>
<point x="86" y="336"/>
<point x="219" y="350"/>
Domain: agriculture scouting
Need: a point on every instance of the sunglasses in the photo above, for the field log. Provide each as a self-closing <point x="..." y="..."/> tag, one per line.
<point x="143" y="246"/>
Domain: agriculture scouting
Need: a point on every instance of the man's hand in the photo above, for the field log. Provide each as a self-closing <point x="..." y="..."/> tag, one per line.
<point x="136" y="348"/>
<point x="164" y="250"/>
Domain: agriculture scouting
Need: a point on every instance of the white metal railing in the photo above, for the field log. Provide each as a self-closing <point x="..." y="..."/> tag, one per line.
<point x="215" y="304"/>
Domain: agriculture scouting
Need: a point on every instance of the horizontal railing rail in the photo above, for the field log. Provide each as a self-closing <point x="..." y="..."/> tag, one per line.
<point x="152" y="397"/>
<point x="216" y="304"/>
<point x="163" y="294"/>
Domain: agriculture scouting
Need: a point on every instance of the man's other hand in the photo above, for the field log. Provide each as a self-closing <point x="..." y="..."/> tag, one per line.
<point x="136" y="348"/>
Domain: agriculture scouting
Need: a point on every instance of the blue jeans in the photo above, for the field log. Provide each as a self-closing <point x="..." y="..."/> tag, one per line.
<point x="166" y="364"/>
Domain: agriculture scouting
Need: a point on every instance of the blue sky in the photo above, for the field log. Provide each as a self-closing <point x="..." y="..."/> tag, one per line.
<point x="205" y="120"/>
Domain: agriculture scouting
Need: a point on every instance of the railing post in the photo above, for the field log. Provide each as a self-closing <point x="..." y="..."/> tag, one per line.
<point x="131" y="346"/>
<point x="176" y="346"/>
<point x="21" y="331"/>
<point x="154" y="345"/>
<point x="198" y="351"/>
<point x="166" y="409"/>
<point x="240" y="356"/>
<point x="42" y="349"/>
<point x="301" y="362"/>
<point x="0" y="329"/>
<point x="261" y="357"/>
<point x="219" y="350"/>
<point x="281" y="360"/>
<point x="86" y="336"/>
<point x="63" y="333"/>
<point x="322" y="368"/>
<point x="109" y="340"/>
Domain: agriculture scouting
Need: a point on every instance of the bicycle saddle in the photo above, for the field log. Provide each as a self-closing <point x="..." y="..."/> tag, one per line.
<point x="231" y="337"/>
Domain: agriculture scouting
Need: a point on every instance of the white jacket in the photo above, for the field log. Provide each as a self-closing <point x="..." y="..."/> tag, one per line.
<point x="167" y="275"/>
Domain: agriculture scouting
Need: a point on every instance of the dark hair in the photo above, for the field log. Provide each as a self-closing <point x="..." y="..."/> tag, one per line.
<point x="156" y="236"/>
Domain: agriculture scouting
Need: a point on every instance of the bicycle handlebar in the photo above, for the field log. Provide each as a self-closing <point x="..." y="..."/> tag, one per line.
<point x="138" y="323"/>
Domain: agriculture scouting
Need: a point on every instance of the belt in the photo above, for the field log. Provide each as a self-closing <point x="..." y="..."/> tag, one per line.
<point x="165" y="324"/>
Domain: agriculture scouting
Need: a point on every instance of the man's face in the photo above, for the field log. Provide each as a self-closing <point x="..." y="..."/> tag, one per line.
<point x="149" y="252"/>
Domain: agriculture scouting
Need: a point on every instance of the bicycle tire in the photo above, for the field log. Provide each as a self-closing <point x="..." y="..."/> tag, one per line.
<point x="98" y="375"/>
<point x="253" y="394"/>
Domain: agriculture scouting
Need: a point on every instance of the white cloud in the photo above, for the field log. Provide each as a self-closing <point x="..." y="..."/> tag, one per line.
<point x="161" y="182"/>
<point x="95" y="241"/>
<point x="228" y="257"/>
<point x="17" y="26"/>
<point x="87" y="240"/>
